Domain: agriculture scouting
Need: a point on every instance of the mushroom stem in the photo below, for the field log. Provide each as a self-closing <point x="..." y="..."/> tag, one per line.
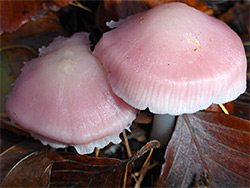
<point x="163" y="126"/>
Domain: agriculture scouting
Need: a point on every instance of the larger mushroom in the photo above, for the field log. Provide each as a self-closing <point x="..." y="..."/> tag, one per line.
<point x="173" y="59"/>
<point x="63" y="98"/>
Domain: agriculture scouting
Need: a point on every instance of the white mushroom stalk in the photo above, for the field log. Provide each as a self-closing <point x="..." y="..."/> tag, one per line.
<point x="163" y="126"/>
<point x="63" y="98"/>
<point x="173" y="59"/>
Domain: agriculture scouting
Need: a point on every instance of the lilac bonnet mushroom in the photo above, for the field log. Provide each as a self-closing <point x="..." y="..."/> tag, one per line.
<point x="63" y="98"/>
<point x="173" y="59"/>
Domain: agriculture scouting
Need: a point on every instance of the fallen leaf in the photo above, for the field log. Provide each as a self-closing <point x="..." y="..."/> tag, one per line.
<point x="84" y="171"/>
<point x="216" y="108"/>
<point x="198" y="4"/>
<point x="144" y="117"/>
<point x="30" y="164"/>
<point x="208" y="144"/>
<point x="8" y="125"/>
<point x="15" y="13"/>
<point x="238" y="17"/>
<point x="115" y="10"/>
<point x="29" y="172"/>
<point x="21" y="162"/>
<point x="11" y="137"/>
<point x="241" y="105"/>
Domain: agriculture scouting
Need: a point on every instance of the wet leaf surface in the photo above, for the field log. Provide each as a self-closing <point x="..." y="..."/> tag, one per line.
<point x="15" y="13"/>
<point x="30" y="164"/>
<point x="211" y="143"/>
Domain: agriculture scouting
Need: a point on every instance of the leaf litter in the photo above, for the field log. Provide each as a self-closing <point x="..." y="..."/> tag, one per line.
<point x="16" y="13"/>
<point x="200" y="144"/>
<point x="30" y="164"/>
<point x="214" y="151"/>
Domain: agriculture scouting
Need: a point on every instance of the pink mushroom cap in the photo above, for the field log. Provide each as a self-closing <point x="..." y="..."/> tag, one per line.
<point x="173" y="59"/>
<point x="64" y="99"/>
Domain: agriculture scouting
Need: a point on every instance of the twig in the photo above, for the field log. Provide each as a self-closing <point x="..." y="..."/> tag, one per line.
<point x="127" y="144"/>
<point x="142" y="174"/>
<point x="134" y="176"/>
<point x="125" y="175"/>
<point x="144" y="169"/>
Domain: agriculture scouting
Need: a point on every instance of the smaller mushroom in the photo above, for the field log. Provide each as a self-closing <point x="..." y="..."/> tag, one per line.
<point x="63" y="98"/>
<point x="173" y="59"/>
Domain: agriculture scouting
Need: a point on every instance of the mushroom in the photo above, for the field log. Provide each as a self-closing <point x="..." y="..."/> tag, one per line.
<point x="63" y="98"/>
<point x="173" y="59"/>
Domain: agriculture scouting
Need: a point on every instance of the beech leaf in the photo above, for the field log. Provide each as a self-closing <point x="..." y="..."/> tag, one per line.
<point x="23" y="164"/>
<point x="70" y="169"/>
<point x="30" y="164"/>
<point x="84" y="171"/>
<point x="198" y="4"/>
<point x="115" y="10"/>
<point x="15" y="13"/>
<point x="208" y="149"/>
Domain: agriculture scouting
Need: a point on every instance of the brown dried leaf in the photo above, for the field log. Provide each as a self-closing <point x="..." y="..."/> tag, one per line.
<point x="211" y="145"/>
<point x="84" y="171"/>
<point x="6" y="124"/>
<point x="242" y="104"/>
<point x="216" y="108"/>
<point x="15" y="13"/>
<point x="23" y="164"/>
<point x="115" y="10"/>
<point x="144" y="117"/>
<point x="9" y="138"/>
<point x="30" y="164"/>
<point x="198" y="4"/>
